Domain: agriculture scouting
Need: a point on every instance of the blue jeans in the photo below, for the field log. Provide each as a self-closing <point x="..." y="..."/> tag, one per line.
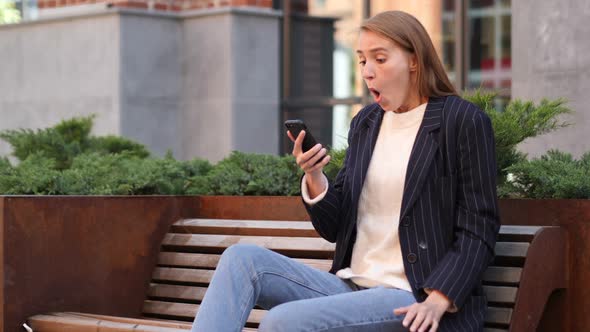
<point x="300" y="298"/>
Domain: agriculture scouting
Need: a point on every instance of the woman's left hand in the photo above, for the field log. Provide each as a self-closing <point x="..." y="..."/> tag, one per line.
<point x="425" y="314"/>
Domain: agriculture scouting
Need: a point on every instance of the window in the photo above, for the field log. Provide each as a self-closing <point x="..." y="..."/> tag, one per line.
<point x="486" y="44"/>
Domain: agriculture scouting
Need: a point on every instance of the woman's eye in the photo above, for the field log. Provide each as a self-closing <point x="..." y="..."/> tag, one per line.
<point x="362" y="62"/>
<point x="380" y="60"/>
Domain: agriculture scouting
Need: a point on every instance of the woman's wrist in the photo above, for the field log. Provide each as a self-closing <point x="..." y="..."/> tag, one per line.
<point x="316" y="184"/>
<point x="439" y="299"/>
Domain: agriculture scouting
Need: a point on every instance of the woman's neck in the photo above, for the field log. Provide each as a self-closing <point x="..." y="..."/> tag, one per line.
<point x="411" y="104"/>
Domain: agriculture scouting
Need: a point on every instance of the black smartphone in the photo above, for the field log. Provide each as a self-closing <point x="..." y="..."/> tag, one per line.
<point x="295" y="127"/>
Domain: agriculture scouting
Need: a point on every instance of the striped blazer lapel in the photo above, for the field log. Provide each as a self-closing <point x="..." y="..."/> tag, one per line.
<point x="425" y="147"/>
<point x="369" y="131"/>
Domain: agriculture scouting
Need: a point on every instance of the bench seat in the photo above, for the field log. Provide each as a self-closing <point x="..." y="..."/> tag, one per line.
<point x="530" y="264"/>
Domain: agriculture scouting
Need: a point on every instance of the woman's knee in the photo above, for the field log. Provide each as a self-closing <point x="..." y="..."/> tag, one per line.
<point x="242" y="254"/>
<point x="279" y="319"/>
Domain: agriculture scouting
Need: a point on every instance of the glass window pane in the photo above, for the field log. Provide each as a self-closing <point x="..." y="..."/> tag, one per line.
<point x="448" y="41"/>
<point x="489" y="47"/>
<point x="482" y="39"/>
<point x="449" y="5"/>
<point x="481" y="3"/>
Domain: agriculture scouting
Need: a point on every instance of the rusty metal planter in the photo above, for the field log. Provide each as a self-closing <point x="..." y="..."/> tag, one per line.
<point x="87" y="254"/>
<point x="96" y="254"/>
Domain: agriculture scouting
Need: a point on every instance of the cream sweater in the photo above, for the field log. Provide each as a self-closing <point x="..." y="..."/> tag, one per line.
<point x="376" y="255"/>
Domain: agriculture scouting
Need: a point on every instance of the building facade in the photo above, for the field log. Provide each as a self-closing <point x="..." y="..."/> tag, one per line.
<point x="205" y="77"/>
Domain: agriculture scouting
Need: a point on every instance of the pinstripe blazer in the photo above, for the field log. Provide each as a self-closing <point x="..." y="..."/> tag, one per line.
<point x="449" y="214"/>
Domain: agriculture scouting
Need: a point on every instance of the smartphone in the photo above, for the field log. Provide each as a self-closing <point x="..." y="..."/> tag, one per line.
<point x="295" y="127"/>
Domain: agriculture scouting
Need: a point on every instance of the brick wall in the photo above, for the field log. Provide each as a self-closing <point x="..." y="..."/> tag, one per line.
<point x="172" y="5"/>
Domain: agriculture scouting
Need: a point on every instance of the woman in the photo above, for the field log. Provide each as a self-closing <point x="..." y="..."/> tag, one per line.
<point x="413" y="212"/>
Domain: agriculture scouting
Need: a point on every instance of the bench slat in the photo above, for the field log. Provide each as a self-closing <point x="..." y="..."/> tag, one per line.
<point x="511" y="249"/>
<point x="63" y="323"/>
<point x="307" y="246"/>
<point x="302" y="228"/>
<point x="82" y="322"/>
<point x="182" y="259"/>
<point x="509" y="275"/>
<point x="493" y="273"/>
<point x="51" y="323"/>
<point x="302" y="244"/>
<point x="140" y="321"/>
<point x="195" y="260"/>
<point x="519" y="230"/>
<point x="187" y="311"/>
<point x="245" y="227"/>
<point x="496" y="315"/>
<point x="172" y="274"/>
<point x="185" y="293"/>
<point x="497" y="294"/>
<point x="500" y="294"/>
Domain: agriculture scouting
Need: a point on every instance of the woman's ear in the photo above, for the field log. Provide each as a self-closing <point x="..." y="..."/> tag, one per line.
<point x="413" y="63"/>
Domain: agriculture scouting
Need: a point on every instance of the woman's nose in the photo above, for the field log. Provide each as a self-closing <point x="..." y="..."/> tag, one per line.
<point x="367" y="72"/>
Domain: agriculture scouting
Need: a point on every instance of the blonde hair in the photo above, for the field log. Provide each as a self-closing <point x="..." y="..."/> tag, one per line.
<point x="407" y="32"/>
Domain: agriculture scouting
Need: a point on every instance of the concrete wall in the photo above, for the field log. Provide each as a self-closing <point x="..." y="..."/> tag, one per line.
<point x="200" y="84"/>
<point x="231" y="83"/>
<point x="57" y="69"/>
<point x="256" y="83"/>
<point x="551" y="59"/>
<point x="150" y="77"/>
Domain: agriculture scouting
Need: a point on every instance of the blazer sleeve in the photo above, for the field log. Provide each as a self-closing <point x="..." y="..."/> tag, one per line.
<point x="476" y="217"/>
<point x="326" y="214"/>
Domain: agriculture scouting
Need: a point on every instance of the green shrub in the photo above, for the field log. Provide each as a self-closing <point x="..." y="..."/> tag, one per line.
<point x="95" y="174"/>
<point x="67" y="160"/>
<point x="67" y="140"/>
<point x="520" y="120"/>
<point x="127" y="174"/>
<point x="250" y="174"/>
<point x="36" y="175"/>
<point x="116" y="144"/>
<point x="554" y="175"/>
<point x="173" y="177"/>
<point x="5" y="165"/>
<point x="335" y="164"/>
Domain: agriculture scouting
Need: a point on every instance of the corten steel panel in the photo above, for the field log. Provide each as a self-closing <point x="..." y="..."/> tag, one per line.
<point x="574" y="216"/>
<point x="252" y="207"/>
<point x="86" y="254"/>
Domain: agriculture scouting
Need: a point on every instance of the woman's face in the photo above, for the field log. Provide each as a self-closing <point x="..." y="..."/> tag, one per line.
<point x="389" y="72"/>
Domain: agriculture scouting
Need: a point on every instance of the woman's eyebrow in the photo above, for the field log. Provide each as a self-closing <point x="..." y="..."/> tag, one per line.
<point x="373" y="50"/>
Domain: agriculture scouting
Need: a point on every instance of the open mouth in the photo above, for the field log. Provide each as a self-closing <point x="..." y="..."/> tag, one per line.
<point x="376" y="94"/>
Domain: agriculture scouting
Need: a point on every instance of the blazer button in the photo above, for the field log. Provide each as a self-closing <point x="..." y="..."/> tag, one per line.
<point x="412" y="258"/>
<point x="423" y="245"/>
<point x="406" y="221"/>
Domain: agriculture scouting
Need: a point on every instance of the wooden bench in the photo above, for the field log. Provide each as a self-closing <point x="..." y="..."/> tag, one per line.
<point x="530" y="264"/>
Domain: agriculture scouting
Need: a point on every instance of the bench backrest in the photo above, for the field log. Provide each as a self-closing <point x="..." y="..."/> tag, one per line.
<point x="191" y="250"/>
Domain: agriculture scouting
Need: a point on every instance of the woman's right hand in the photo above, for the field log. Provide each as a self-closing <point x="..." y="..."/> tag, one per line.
<point x="312" y="162"/>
